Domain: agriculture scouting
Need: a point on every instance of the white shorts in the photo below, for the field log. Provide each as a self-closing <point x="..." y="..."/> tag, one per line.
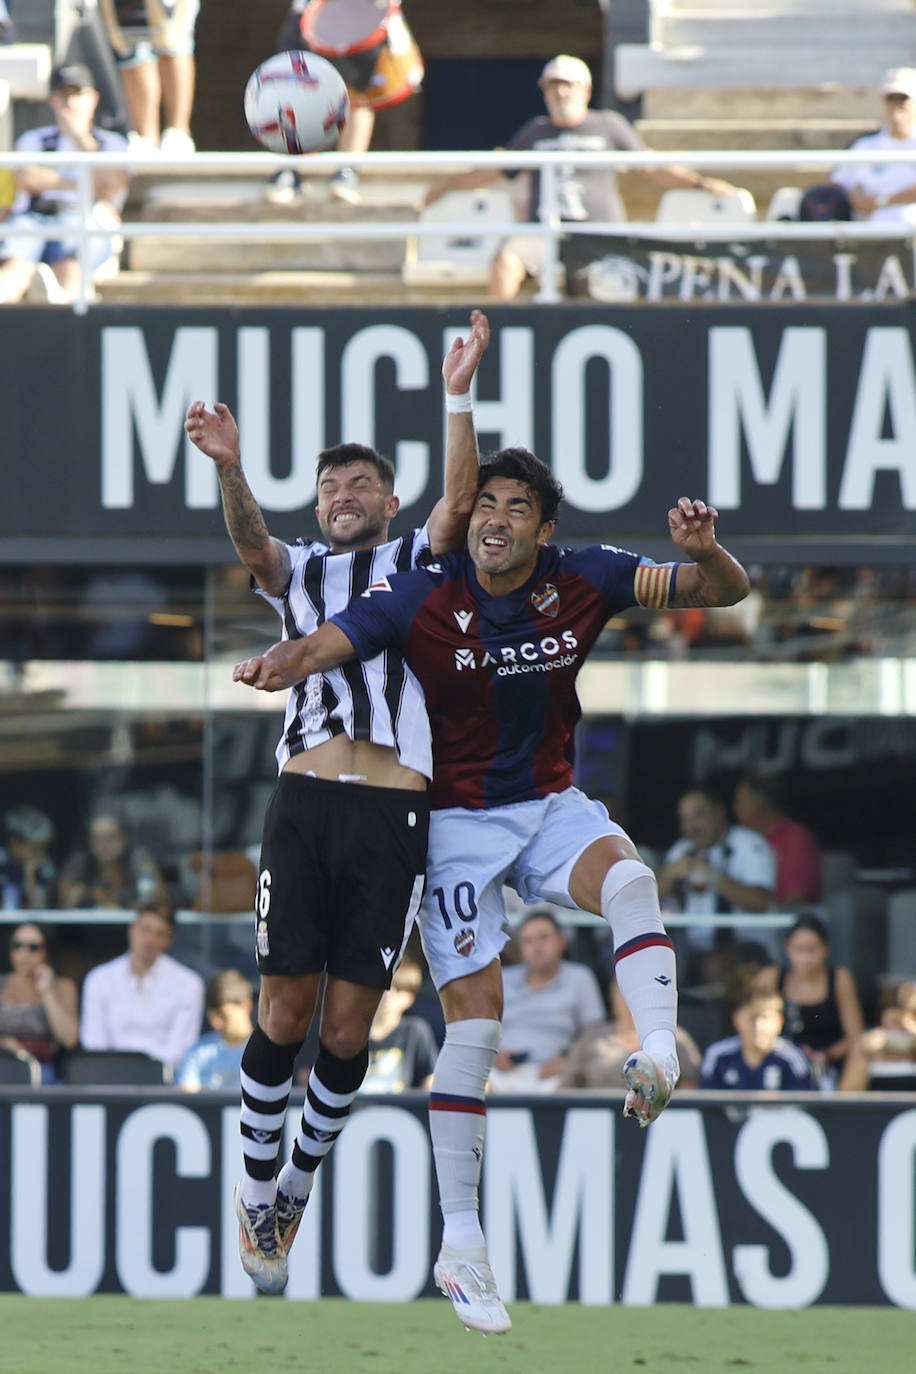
<point x="531" y="846"/>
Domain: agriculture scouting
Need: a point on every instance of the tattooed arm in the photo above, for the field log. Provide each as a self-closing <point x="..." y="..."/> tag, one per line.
<point x="713" y="578"/>
<point x="216" y="434"/>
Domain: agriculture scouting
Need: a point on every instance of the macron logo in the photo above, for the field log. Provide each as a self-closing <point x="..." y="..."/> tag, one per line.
<point x="464" y="619"/>
<point x="387" y="956"/>
<point x="381" y="584"/>
<point x="464" y="658"/>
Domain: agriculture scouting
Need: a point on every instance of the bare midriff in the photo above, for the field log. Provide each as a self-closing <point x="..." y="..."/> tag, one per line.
<point x="345" y="760"/>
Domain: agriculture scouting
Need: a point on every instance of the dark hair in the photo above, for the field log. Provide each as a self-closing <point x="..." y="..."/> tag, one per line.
<point x="809" y="920"/>
<point x="45" y="935"/>
<point x="342" y="454"/>
<point x="712" y="795"/>
<point x="156" y="907"/>
<point x="521" y="465"/>
<point x="753" y="992"/>
<point x="227" y="985"/>
<point x="767" y="789"/>
<point x="539" y="913"/>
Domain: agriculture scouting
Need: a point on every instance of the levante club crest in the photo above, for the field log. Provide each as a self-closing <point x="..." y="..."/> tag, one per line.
<point x="546" y="599"/>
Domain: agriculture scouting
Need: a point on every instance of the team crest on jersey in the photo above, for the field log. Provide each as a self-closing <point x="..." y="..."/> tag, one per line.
<point x="546" y="600"/>
<point x="465" y="941"/>
<point x="263" y="940"/>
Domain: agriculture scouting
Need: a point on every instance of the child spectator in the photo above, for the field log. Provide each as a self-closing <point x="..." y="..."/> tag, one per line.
<point x="884" y="1058"/>
<point x="402" y="1048"/>
<point x="757" y="1058"/>
<point x="216" y="1059"/>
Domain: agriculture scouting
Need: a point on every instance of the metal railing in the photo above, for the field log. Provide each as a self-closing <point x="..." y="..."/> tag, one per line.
<point x="550" y="228"/>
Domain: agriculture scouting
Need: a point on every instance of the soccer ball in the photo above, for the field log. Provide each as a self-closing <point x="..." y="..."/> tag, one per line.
<point x="296" y="102"/>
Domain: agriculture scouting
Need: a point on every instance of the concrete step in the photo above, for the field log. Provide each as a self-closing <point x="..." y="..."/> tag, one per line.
<point x="752" y="134"/>
<point x="198" y="254"/>
<point x="711" y="30"/>
<point x="212" y="199"/>
<point x="640" y="68"/>
<point x="278" y="288"/>
<point x="803" y="103"/>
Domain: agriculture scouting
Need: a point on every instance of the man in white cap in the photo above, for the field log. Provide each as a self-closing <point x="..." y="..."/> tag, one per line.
<point x="585" y="193"/>
<point x="886" y="191"/>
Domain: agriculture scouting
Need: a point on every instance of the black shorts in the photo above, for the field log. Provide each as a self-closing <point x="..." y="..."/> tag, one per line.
<point x="342" y="873"/>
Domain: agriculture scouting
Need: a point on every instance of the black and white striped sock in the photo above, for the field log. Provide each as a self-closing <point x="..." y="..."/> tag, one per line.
<point x="332" y="1086"/>
<point x="267" y="1076"/>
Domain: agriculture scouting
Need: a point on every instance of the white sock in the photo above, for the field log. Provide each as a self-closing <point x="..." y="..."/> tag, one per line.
<point x="457" y="1124"/>
<point x="294" y="1182"/>
<point x="643" y="954"/>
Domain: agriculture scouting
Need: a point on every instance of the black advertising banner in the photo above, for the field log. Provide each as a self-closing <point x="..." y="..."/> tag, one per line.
<point x="775" y="1201"/>
<point x="798" y="423"/>
<point x="782" y="271"/>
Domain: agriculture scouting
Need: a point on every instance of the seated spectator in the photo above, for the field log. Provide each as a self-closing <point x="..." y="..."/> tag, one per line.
<point x="883" y="1059"/>
<point x="154" y="48"/>
<point x="758" y="806"/>
<point x="39" y="1012"/>
<point x="822" y="1009"/>
<point x="110" y="872"/>
<point x="28" y="876"/>
<point x="886" y="192"/>
<point x="599" y="1053"/>
<point x="583" y="193"/>
<point x="48" y="197"/>
<point x="757" y="1058"/>
<point x="402" y="1048"/>
<point x="547" y="1002"/>
<point x="216" y="1059"/>
<point x="714" y="868"/>
<point x="144" y="1000"/>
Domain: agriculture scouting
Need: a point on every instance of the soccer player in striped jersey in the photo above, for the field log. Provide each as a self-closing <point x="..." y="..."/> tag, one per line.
<point x="343" y="852"/>
<point x="496" y="634"/>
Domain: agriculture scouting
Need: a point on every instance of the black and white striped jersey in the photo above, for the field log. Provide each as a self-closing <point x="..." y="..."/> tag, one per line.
<point x="381" y="700"/>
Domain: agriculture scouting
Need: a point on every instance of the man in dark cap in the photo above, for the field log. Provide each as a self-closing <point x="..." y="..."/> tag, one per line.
<point x="47" y="197"/>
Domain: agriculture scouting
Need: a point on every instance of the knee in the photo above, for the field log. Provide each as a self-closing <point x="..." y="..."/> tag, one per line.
<point x="345" y="1039"/>
<point x="506" y="276"/>
<point x="283" y="1022"/>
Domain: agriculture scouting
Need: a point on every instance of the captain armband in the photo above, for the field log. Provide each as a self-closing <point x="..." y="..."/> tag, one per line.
<point x="652" y="585"/>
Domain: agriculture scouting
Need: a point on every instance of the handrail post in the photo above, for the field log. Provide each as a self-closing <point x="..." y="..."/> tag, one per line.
<point x="85" y="185"/>
<point x="548" y="214"/>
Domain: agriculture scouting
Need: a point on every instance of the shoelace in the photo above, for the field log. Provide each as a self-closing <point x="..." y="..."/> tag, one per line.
<point x="263" y="1224"/>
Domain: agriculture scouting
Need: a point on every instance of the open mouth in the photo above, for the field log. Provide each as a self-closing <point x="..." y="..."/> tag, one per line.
<point x="494" y="541"/>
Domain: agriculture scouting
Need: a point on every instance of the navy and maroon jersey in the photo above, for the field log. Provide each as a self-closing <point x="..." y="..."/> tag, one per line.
<point x="499" y="672"/>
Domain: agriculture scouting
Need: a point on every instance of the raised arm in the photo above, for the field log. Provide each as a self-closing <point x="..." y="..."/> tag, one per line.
<point x="713" y="577"/>
<point x="448" y="521"/>
<point x="293" y="660"/>
<point x="216" y="434"/>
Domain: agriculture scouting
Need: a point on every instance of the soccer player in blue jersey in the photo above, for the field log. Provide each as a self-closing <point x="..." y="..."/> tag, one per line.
<point x="496" y="635"/>
<point x="343" y="851"/>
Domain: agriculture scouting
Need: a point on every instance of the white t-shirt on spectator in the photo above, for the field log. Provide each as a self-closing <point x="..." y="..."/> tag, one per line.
<point x="881" y="179"/>
<point x="743" y="855"/>
<point x="543" y="1022"/>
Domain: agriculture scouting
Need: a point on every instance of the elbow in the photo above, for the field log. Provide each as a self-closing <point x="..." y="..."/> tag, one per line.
<point x="737" y="590"/>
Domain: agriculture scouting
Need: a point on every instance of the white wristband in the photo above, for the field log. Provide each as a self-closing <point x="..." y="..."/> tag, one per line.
<point x="457" y="405"/>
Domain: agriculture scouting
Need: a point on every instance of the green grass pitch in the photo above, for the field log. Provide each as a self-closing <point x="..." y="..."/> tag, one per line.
<point x="117" y="1335"/>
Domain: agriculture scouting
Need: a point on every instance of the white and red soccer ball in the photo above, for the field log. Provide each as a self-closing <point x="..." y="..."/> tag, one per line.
<point x="296" y="102"/>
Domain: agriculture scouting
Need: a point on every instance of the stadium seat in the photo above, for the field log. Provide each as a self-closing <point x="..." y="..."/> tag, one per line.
<point x="452" y="258"/>
<point x="784" y="203"/>
<point x="96" y="1067"/>
<point x="17" y="1067"/>
<point x="687" y="206"/>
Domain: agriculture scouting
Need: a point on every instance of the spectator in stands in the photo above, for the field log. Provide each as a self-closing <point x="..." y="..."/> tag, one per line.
<point x="759" y="806"/>
<point x="402" y="1048"/>
<point x="375" y="78"/>
<point x="215" y="1060"/>
<point x="823" y="1013"/>
<point x="110" y="872"/>
<point x="39" y="1012"/>
<point x="599" y="1052"/>
<point x="7" y="30"/>
<point x="154" y="48"/>
<point x="48" y="196"/>
<point x="886" y="192"/>
<point x="144" y="1000"/>
<point x="28" y="875"/>
<point x="758" y="1058"/>
<point x="884" y="1058"/>
<point x="547" y="1001"/>
<point x="583" y="193"/>
<point x="713" y="869"/>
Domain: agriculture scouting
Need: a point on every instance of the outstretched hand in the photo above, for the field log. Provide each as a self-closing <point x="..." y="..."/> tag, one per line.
<point x="274" y="671"/>
<point x="214" y="432"/>
<point x="692" y="527"/>
<point x="464" y="355"/>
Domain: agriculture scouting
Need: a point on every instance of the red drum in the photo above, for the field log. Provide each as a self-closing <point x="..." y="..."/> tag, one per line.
<point x="370" y="45"/>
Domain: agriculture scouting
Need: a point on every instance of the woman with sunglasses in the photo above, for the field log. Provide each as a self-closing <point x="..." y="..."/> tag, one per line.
<point x="39" y="1012"/>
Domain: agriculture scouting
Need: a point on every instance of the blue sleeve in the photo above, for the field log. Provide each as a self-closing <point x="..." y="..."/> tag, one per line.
<point x="626" y="579"/>
<point x="381" y="617"/>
